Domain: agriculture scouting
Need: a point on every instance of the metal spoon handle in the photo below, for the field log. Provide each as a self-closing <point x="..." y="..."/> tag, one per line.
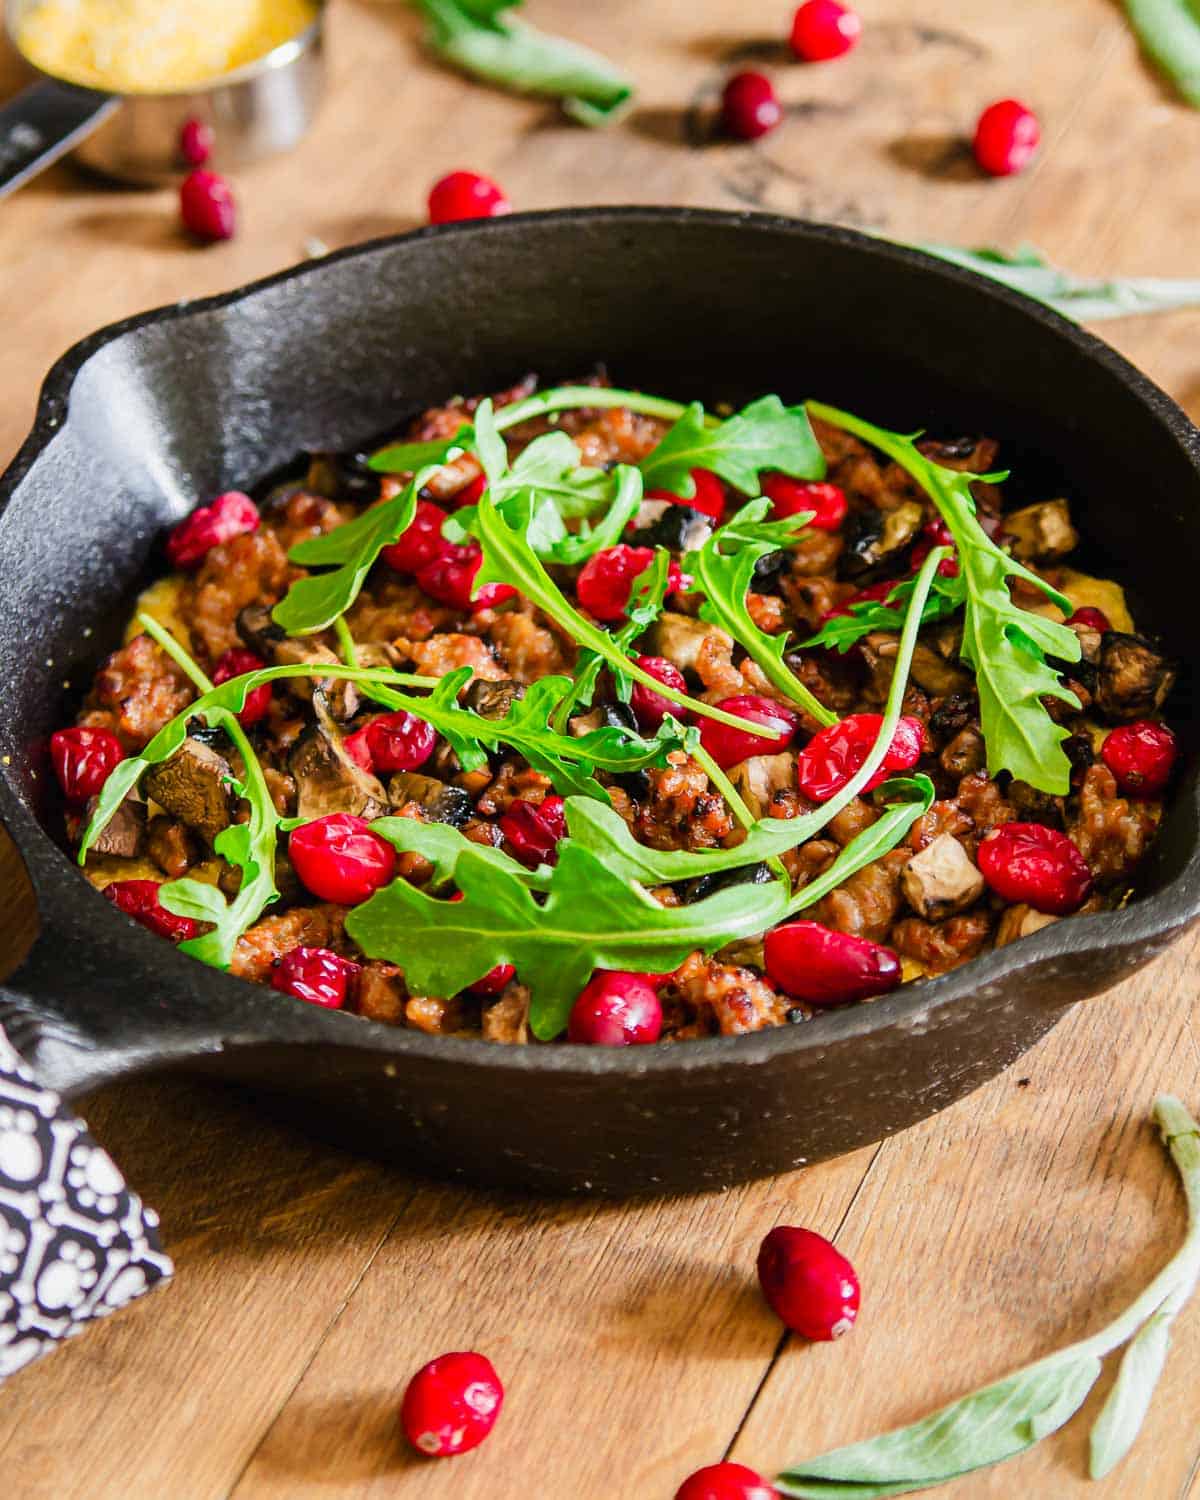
<point x="42" y="123"/>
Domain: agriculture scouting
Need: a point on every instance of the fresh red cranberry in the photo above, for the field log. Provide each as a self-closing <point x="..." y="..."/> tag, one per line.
<point x="470" y="492"/>
<point x="465" y="195"/>
<point x="534" y="831"/>
<point x="228" y="516"/>
<point x="834" y="755"/>
<point x="82" y="760"/>
<point x="728" y="746"/>
<point x="709" y="497"/>
<point x="421" y="544"/>
<point x="607" y="578"/>
<point x="651" y="708"/>
<point x="451" y="1404"/>
<point x="823" y="29"/>
<point x="1141" y="756"/>
<point x="236" y="663"/>
<point x="824" y="967"/>
<point x="935" y="533"/>
<point x="196" y="142"/>
<point x="395" y="742"/>
<point x="727" y="1481"/>
<point x="338" y="858"/>
<point x="749" y="107"/>
<point x="316" y="975"/>
<point x="1039" y="865"/>
<point x="356" y="747"/>
<point x="139" y="899"/>
<point x="791" y="496"/>
<point x="808" y="1283"/>
<point x="616" y="1009"/>
<point x="1006" y="138"/>
<point x="450" y="579"/>
<point x="206" y="206"/>
<point x="1091" y="618"/>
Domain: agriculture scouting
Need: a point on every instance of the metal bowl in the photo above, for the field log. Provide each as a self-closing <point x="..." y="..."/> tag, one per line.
<point x="143" y="419"/>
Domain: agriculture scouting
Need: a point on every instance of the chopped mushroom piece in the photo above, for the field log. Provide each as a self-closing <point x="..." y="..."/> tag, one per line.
<point x="1134" y="677"/>
<point x="680" y="638"/>
<point x="941" y="880"/>
<point x="125" y="832"/>
<point x="1042" y="531"/>
<point x="196" y="786"/>
<point x="328" y="781"/>
<point x="761" y="776"/>
<point x="1021" y="921"/>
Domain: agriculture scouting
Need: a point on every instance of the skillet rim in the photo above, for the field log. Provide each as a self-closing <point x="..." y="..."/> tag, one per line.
<point x="1152" y="921"/>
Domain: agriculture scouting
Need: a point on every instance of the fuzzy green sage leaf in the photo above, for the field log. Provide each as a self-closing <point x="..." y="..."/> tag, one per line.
<point x="1169" y="31"/>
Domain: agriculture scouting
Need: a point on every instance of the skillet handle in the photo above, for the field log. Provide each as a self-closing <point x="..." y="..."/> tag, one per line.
<point x="44" y="122"/>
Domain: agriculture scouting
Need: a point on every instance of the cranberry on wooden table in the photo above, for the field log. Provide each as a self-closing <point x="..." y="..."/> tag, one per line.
<point x="139" y="899"/>
<point x="651" y="708"/>
<point x="821" y="966"/>
<point x="616" y="1008"/>
<point x="421" y="543"/>
<point x="229" y="515"/>
<point x="451" y="1404"/>
<point x="1141" y="756"/>
<point x="196" y="142"/>
<point x="824" y="29"/>
<point x="83" y="759"/>
<point x="729" y="746"/>
<point x="607" y="579"/>
<point x="533" y="831"/>
<point x="789" y="497"/>
<point x="834" y="755"/>
<point x="316" y="975"/>
<point x="450" y="579"/>
<point x="726" y="1481"/>
<point x="709" y="498"/>
<point x="749" y="107"/>
<point x="236" y="662"/>
<point x="1035" y="864"/>
<point x="808" y="1283"/>
<point x="466" y="195"/>
<point x="398" y="741"/>
<point x="338" y="858"/>
<point x="1006" y="138"/>
<point x="206" y="206"/>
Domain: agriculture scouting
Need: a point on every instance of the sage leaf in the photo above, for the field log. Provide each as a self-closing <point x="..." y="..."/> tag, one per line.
<point x="1169" y="32"/>
<point x="766" y="435"/>
<point x="1122" y="1415"/>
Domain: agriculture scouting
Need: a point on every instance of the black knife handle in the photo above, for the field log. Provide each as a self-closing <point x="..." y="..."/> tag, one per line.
<point x="44" y="122"/>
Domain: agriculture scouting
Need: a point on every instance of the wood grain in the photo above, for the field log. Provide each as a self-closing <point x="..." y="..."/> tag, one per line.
<point x="631" y="1339"/>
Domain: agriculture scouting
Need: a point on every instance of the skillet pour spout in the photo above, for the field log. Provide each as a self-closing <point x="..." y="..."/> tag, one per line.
<point x="146" y="418"/>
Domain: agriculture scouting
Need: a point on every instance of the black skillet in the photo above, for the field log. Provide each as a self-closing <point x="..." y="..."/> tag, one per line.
<point x="140" y="421"/>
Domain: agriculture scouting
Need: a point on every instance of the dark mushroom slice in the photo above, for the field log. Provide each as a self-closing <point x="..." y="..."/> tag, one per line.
<point x="722" y="880"/>
<point x="873" y="535"/>
<point x="125" y="832"/>
<point x="679" y="528"/>
<point x="1133" y="678"/>
<point x="440" y="802"/>
<point x="195" y="786"/>
<point x="941" y="880"/>
<point x="1041" y="532"/>
<point x="492" y="700"/>
<point x="328" y="781"/>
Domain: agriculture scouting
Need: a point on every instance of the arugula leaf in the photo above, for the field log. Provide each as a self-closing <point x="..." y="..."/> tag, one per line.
<point x="765" y="435"/>
<point x="1087" y="299"/>
<point x="1169" y="32"/>
<point x="312" y="604"/>
<point x="842" y="631"/>
<point x="407" y="458"/>
<point x="1010" y="1415"/>
<point x="591" y="919"/>
<point x="441" y="845"/>
<point x="483" y="38"/>
<point x="1007" y="646"/>
<point x="723" y="569"/>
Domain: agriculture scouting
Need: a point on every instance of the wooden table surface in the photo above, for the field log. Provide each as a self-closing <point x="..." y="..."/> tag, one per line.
<point x="632" y="1339"/>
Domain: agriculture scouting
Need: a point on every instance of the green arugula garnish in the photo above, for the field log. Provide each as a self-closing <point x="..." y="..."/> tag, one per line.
<point x="1006" y="645"/>
<point x="484" y="38"/>
<point x="1011" y="1415"/>
<point x="441" y="845"/>
<point x="842" y="631"/>
<point x="723" y="569"/>
<point x="765" y="436"/>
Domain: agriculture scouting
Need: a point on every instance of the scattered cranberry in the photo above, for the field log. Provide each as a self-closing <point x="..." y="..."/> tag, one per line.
<point x="834" y="755"/>
<point x="228" y="516"/>
<point x="607" y="578"/>
<point x="196" y="142"/>
<point x="651" y="708"/>
<point x="450" y="579"/>
<point x="823" y="29"/>
<point x="1141" y="756"/>
<point x="139" y="899"/>
<point x="727" y="1481"/>
<point x="421" y="543"/>
<point x="206" y="206"/>
<point x="534" y="831"/>
<point x="809" y="1284"/>
<point x="82" y="760"/>
<point x="1006" y="138"/>
<point x="791" y="496"/>
<point x="749" y="107"/>
<point x="395" y="742"/>
<point x="451" y="1404"/>
<point x="616" y="1009"/>
<point x="728" y="746"/>
<point x="471" y="491"/>
<point x="338" y="858"/>
<point x="465" y="195"/>
<point x="236" y="663"/>
<point x="935" y="533"/>
<point x="1039" y="865"/>
<point x="824" y="967"/>
<point x="1091" y="619"/>
<point x="316" y="975"/>
<point x="709" y="497"/>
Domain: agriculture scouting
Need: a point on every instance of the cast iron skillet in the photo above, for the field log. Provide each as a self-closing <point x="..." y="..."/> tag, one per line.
<point x="140" y="420"/>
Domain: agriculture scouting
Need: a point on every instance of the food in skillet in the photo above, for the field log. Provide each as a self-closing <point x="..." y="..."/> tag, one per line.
<point x="589" y="713"/>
